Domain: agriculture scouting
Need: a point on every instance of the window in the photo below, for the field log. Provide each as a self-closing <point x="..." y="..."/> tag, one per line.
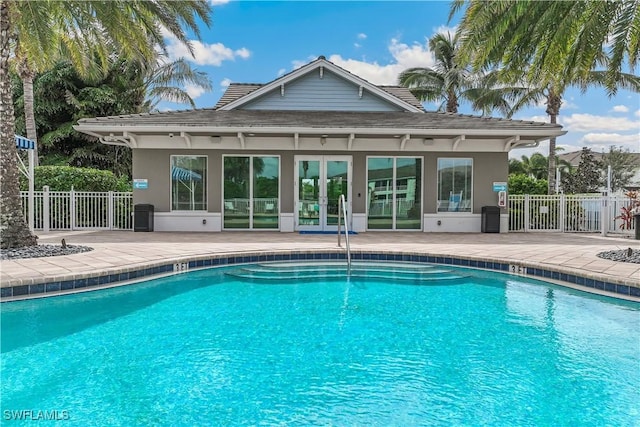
<point x="395" y="193"/>
<point x="189" y="183"/>
<point x="455" y="185"/>
<point x="251" y="192"/>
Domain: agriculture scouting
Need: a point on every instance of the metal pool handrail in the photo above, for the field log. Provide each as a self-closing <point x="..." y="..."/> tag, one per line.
<point x="343" y="203"/>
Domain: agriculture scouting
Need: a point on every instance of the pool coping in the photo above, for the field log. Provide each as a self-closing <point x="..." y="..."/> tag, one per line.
<point x="559" y="275"/>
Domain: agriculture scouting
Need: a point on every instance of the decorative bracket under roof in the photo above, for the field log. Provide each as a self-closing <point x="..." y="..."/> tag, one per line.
<point x="133" y="142"/>
<point x="404" y="141"/>
<point x="509" y="142"/>
<point x="187" y="138"/>
<point x="360" y="91"/>
<point x="296" y="140"/>
<point x="321" y="72"/>
<point x="352" y="136"/>
<point x="282" y="90"/>
<point x="456" y="142"/>
<point x="241" y="139"/>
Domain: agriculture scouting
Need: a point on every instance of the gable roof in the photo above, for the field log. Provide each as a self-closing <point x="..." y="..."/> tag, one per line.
<point x="237" y="95"/>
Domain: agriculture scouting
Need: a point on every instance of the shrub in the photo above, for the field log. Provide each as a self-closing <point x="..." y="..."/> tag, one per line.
<point x="64" y="178"/>
<point x="523" y="184"/>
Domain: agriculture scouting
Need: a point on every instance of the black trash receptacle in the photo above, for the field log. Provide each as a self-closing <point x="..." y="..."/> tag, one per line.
<point x="490" y="219"/>
<point x="143" y="217"/>
<point x="637" y="224"/>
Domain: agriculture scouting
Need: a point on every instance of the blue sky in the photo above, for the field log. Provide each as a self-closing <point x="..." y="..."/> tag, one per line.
<point x="258" y="41"/>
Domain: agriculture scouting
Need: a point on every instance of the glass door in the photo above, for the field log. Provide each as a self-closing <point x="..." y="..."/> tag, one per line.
<point x="320" y="182"/>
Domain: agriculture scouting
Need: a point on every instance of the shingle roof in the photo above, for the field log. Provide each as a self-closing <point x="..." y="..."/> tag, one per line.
<point x="315" y="119"/>
<point x="404" y="94"/>
<point x="235" y="91"/>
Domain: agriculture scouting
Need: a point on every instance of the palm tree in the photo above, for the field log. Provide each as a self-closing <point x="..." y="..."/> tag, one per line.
<point x="13" y="227"/>
<point x="46" y="31"/>
<point x="452" y="81"/>
<point x="542" y="35"/>
<point x="551" y="93"/>
<point x="165" y="81"/>
<point x="533" y="42"/>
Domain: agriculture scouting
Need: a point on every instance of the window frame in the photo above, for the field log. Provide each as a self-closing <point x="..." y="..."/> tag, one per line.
<point x="393" y="199"/>
<point x="470" y="199"/>
<point x="205" y="180"/>
<point x="251" y="179"/>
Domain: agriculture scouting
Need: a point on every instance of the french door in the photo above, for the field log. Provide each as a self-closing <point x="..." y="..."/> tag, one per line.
<point x="320" y="180"/>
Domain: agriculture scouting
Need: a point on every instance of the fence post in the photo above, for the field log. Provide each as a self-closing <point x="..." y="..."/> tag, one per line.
<point x="604" y="214"/>
<point x="562" y="213"/>
<point x="72" y="208"/>
<point x="46" y="209"/>
<point x="110" y="210"/>
<point x="526" y="213"/>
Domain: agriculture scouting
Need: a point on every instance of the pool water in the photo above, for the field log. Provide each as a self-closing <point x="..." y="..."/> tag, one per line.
<point x="301" y="344"/>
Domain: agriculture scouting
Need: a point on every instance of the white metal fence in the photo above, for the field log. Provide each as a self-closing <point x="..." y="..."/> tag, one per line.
<point x="590" y="213"/>
<point x="80" y="210"/>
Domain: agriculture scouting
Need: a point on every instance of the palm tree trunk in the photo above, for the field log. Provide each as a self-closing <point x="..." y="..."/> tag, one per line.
<point x="554" y="101"/>
<point x="452" y="103"/>
<point x="13" y="228"/>
<point x="29" y="117"/>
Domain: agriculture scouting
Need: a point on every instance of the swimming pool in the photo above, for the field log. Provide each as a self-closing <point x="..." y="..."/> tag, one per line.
<point x="302" y="344"/>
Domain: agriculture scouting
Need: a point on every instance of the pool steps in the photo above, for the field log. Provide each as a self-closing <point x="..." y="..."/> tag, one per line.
<point x="286" y="272"/>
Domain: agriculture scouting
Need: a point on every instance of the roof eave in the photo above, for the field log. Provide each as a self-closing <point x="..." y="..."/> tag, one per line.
<point x="539" y="134"/>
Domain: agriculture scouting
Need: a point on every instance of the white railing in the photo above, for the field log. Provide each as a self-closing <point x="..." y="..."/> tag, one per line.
<point x="586" y="213"/>
<point x="80" y="210"/>
<point x="591" y="213"/>
<point x="343" y="204"/>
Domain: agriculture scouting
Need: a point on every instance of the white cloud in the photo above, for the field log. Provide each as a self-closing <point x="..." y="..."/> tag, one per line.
<point x="357" y="45"/>
<point x="404" y="56"/>
<point x="281" y="72"/>
<point x="444" y="29"/>
<point x="194" y="91"/>
<point x="204" y="53"/>
<point x="362" y="36"/>
<point x="603" y="141"/>
<point x="243" y="53"/>
<point x="218" y="2"/>
<point x="590" y="122"/>
<point x="225" y="82"/>
<point x="620" y="109"/>
<point x="637" y="113"/>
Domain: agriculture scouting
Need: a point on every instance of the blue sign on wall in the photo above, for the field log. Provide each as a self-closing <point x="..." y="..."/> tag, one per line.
<point x="140" y="184"/>
<point x="499" y="186"/>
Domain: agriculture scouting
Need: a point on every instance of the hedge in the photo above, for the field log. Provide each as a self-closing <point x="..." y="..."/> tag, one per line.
<point x="64" y="178"/>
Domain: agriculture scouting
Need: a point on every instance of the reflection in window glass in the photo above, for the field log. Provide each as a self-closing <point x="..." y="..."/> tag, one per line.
<point x="236" y="192"/>
<point x="394" y="193"/>
<point x="308" y="192"/>
<point x="380" y="193"/>
<point x="189" y="183"/>
<point x="408" y="193"/>
<point x="251" y="192"/>
<point x="266" y="184"/>
<point x="454" y="185"/>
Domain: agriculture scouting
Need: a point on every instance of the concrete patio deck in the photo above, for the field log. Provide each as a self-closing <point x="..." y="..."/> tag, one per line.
<point x="119" y="251"/>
